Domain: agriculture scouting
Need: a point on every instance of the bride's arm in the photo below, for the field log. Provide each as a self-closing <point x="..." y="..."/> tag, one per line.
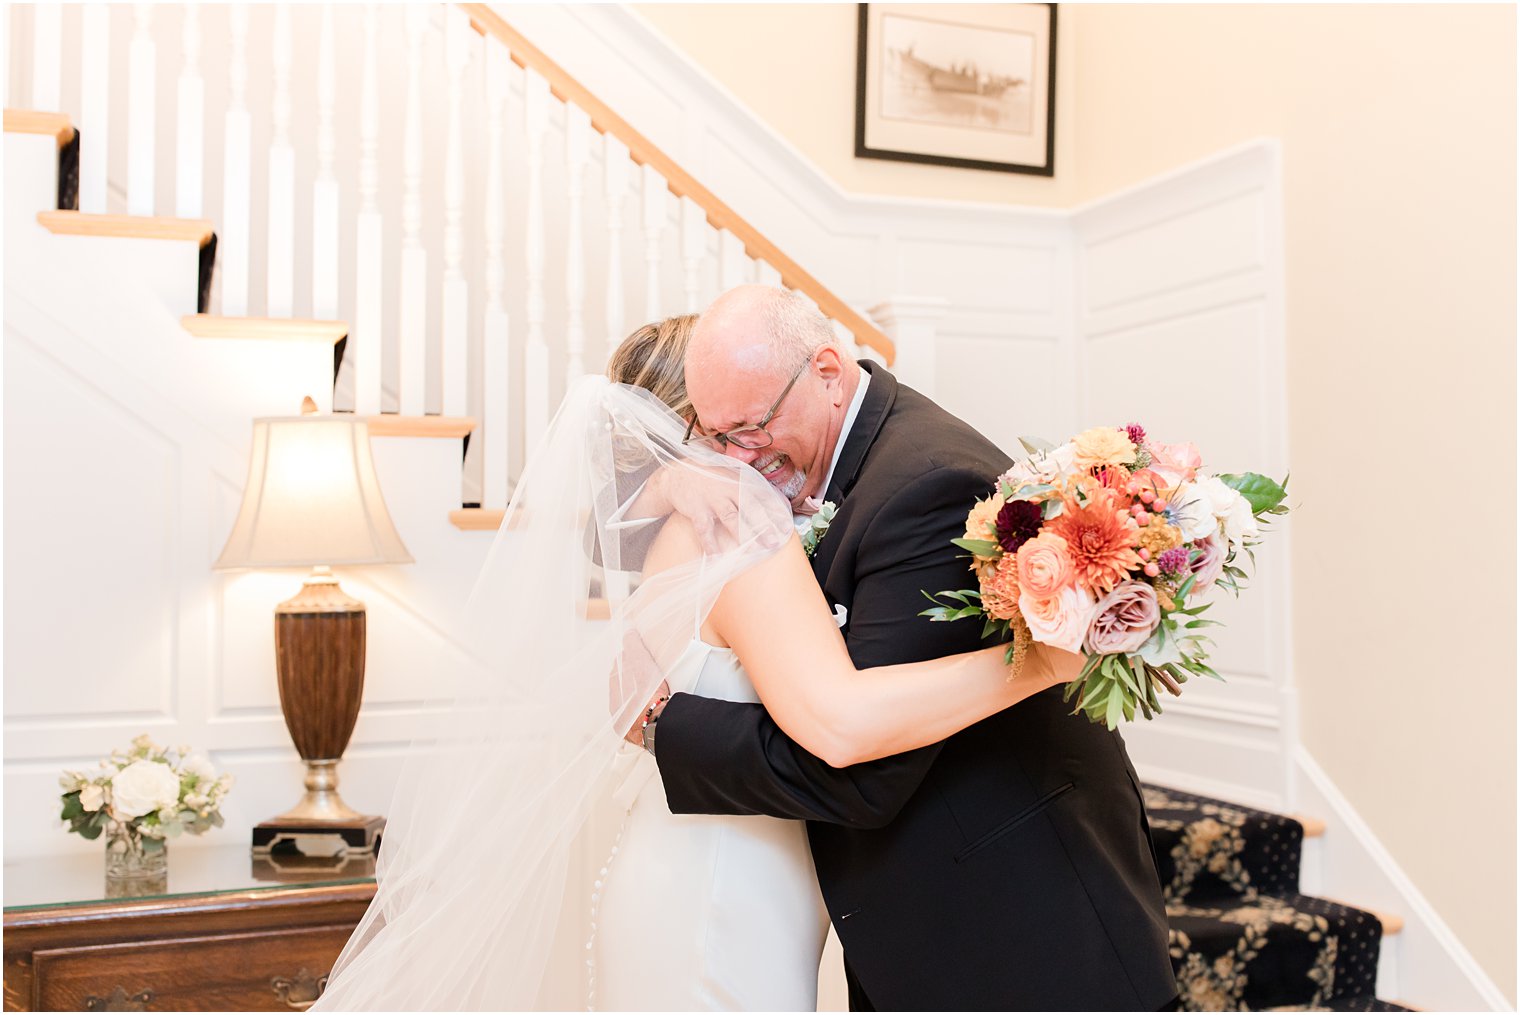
<point x="777" y="620"/>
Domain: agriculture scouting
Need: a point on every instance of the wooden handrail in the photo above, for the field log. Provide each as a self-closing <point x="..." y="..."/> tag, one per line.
<point x="681" y="183"/>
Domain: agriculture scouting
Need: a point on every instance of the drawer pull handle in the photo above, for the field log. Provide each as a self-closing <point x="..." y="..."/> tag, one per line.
<point x="301" y="991"/>
<point x="119" y="1001"/>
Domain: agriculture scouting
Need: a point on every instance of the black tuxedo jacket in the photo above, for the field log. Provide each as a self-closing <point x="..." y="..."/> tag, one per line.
<point x="1008" y="867"/>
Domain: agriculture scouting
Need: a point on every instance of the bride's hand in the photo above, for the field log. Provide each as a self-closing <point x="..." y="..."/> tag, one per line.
<point x="636" y="668"/>
<point x="711" y="507"/>
<point x="1056" y="666"/>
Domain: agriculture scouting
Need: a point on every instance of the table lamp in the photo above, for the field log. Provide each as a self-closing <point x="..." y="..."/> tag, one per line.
<point x="312" y="500"/>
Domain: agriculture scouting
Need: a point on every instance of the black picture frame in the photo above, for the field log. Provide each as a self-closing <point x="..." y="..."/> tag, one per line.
<point x="862" y="150"/>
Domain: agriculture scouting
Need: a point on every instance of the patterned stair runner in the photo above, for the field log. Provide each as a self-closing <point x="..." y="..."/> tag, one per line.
<point x="1242" y="936"/>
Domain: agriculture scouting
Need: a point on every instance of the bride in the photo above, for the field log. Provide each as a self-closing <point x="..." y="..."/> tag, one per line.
<point x="530" y="860"/>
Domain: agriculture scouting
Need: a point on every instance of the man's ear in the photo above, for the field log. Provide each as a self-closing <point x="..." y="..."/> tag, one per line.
<point x="829" y="362"/>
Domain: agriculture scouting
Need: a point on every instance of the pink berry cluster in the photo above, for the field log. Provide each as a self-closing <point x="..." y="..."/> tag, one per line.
<point x="1146" y="504"/>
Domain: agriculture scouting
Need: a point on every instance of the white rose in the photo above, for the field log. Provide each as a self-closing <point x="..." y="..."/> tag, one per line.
<point x="1231" y="509"/>
<point x="144" y="787"/>
<point x="91" y="797"/>
<point x="1045" y="467"/>
<point x="199" y="765"/>
<point x="1194" y="512"/>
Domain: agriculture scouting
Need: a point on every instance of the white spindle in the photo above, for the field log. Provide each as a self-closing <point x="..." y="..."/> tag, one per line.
<point x="324" y="192"/>
<point x="282" y="175"/>
<point x="190" y="139"/>
<point x="577" y="154"/>
<point x="536" y="352"/>
<point x="142" y="111"/>
<point x="766" y="275"/>
<point x="693" y="251"/>
<point x="495" y="354"/>
<point x="94" y="105"/>
<point x="653" y="193"/>
<point x="456" y="289"/>
<point x="615" y="166"/>
<point x="47" y="57"/>
<point x="366" y="342"/>
<point x="414" y="258"/>
<point x="733" y="267"/>
<point x="6" y="15"/>
<point x="237" y="183"/>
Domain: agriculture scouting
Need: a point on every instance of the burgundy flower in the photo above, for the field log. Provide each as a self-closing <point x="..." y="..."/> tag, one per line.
<point x="1136" y="434"/>
<point x="1018" y="522"/>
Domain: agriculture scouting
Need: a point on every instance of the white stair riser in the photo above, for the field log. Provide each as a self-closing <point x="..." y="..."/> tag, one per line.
<point x="124" y="466"/>
<point x="31" y="179"/>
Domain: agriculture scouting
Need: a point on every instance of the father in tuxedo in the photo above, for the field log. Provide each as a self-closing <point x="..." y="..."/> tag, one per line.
<point x="1006" y="868"/>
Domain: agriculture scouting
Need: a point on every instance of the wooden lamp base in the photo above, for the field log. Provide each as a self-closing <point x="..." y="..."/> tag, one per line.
<point x="319" y="641"/>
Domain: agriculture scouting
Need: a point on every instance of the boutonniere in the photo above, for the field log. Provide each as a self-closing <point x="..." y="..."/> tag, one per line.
<point x="812" y="527"/>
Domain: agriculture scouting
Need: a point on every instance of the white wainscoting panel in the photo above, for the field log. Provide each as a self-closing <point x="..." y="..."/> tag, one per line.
<point x="1178" y="325"/>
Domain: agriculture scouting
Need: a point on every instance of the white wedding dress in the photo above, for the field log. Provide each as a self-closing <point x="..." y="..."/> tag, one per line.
<point x="705" y="912"/>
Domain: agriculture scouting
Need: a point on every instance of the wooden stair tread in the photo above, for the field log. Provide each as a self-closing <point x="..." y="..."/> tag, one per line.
<point x="477" y="519"/>
<point x="277" y="328"/>
<point x="390" y="424"/>
<point x="1392" y="922"/>
<point x="34" y="121"/>
<point x="145" y="227"/>
<point x="1313" y="827"/>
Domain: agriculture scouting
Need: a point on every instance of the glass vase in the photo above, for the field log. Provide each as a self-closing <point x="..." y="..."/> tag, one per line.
<point x="136" y="865"/>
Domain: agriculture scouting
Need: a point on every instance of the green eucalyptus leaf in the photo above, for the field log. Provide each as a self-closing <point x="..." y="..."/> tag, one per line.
<point x="1261" y="493"/>
<point x="1036" y="445"/>
<point x="979" y="547"/>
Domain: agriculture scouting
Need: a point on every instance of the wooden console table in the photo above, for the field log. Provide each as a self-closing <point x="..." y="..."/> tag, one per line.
<point x="230" y="933"/>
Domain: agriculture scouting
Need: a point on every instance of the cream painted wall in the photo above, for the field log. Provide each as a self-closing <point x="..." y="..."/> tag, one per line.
<point x="1398" y="135"/>
<point x="1398" y="132"/>
<point x="794" y="65"/>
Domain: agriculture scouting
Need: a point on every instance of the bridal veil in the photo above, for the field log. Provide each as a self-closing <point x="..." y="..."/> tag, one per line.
<point x="503" y="814"/>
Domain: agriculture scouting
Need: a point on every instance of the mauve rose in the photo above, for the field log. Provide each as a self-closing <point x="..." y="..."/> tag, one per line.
<point x="1124" y="620"/>
<point x="1209" y="566"/>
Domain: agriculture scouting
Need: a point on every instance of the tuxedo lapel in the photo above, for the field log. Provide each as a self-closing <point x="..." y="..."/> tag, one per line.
<point x="874" y="409"/>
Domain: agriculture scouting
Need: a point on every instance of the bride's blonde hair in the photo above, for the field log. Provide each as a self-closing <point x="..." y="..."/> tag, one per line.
<point x="654" y="357"/>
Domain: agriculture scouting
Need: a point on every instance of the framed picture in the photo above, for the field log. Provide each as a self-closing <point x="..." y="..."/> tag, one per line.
<point x="971" y="85"/>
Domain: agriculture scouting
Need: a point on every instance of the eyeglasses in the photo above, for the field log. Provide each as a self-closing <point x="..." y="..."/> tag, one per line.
<point x="752" y="436"/>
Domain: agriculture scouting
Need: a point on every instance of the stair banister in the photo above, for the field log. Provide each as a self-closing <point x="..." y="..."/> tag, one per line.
<point x="679" y="182"/>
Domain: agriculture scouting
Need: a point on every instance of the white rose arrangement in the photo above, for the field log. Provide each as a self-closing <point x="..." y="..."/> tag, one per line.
<point x="146" y="794"/>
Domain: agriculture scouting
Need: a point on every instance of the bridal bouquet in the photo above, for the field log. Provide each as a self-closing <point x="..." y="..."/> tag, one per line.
<point x="146" y="794"/>
<point x="1106" y="546"/>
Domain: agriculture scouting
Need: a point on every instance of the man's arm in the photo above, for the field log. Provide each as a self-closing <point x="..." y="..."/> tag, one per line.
<point x="720" y="757"/>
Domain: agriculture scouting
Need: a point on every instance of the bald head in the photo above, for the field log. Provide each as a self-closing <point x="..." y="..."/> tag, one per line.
<point x="746" y="347"/>
<point x="758" y="329"/>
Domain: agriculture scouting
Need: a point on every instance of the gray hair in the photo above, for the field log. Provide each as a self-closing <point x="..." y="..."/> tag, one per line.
<point x="796" y="326"/>
<point x="792" y="325"/>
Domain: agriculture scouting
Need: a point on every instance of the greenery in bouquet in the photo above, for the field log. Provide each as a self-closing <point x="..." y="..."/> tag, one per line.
<point x="146" y="794"/>
<point x="1110" y="546"/>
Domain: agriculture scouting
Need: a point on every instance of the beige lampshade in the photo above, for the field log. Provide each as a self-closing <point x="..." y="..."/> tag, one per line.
<point x="312" y="498"/>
